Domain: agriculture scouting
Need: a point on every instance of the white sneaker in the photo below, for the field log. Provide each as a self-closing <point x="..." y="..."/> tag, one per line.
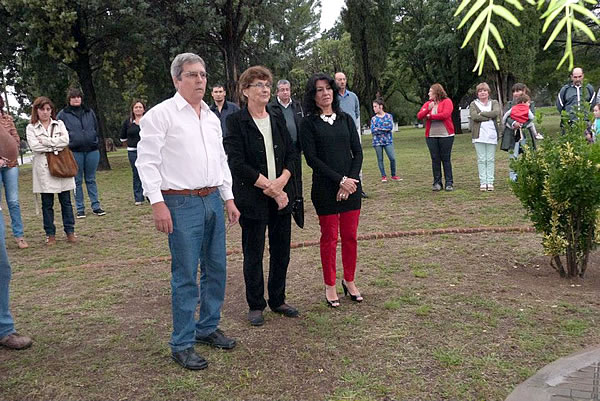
<point x="539" y="136"/>
<point x="483" y="187"/>
<point x="490" y="187"/>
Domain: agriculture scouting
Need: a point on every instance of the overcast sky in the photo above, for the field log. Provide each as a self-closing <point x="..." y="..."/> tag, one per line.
<point x="330" y="11"/>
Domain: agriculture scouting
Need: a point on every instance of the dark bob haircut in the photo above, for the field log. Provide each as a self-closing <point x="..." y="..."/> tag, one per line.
<point x="311" y="90"/>
<point x="74" y="92"/>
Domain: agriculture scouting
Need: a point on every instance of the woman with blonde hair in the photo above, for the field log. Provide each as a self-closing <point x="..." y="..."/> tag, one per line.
<point x="439" y="135"/>
<point x="46" y="134"/>
<point x="484" y="115"/>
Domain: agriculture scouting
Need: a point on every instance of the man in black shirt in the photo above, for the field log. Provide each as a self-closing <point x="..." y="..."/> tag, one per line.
<point x="222" y="108"/>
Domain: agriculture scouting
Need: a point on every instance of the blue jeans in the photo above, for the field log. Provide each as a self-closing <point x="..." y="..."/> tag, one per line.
<point x="87" y="163"/>
<point x="515" y="155"/>
<point x="7" y="325"/>
<point x="198" y="237"/>
<point x="389" y="150"/>
<point x="66" y="210"/>
<point x="9" y="178"/>
<point x="138" y="192"/>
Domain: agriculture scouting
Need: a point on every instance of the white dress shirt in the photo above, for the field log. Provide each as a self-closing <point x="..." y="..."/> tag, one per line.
<point x="179" y="150"/>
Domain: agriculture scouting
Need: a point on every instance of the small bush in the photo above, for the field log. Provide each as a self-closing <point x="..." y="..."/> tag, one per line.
<point x="559" y="185"/>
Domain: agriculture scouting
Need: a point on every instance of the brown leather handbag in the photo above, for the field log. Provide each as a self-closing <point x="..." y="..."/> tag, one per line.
<point x="61" y="163"/>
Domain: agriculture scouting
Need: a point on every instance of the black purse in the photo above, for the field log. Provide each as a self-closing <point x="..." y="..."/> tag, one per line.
<point x="298" y="203"/>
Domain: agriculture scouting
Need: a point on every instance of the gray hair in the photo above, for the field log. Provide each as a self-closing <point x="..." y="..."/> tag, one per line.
<point x="283" y="82"/>
<point x="180" y="60"/>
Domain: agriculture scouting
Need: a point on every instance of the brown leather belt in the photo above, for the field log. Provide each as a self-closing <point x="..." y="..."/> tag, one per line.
<point x="190" y="192"/>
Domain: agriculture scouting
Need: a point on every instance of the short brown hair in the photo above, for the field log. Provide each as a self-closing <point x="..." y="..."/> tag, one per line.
<point x="438" y="92"/>
<point x="522" y="99"/>
<point x="38" y="104"/>
<point x="252" y="73"/>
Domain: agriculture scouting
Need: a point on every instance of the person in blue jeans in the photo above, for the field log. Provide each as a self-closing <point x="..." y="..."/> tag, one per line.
<point x="82" y="124"/>
<point x="382" y="125"/>
<point x="9" y="173"/>
<point x="130" y="134"/>
<point x="9" y="338"/>
<point x="187" y="180"/>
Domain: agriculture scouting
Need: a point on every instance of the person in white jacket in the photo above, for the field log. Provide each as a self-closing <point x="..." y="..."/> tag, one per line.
<point x="46" y="134"/>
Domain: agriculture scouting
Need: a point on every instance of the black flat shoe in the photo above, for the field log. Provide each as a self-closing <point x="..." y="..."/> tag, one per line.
<point x="355" y="298"/>
<point x="334" y="303"/>
<point x="217" y="339"/>
<point x="189" y="359"/>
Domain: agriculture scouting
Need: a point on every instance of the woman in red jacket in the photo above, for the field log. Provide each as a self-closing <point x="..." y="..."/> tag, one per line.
<point x="439" y="134"/>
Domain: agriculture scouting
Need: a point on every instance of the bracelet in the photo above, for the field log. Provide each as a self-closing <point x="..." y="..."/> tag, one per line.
<point x="344" y="178"/>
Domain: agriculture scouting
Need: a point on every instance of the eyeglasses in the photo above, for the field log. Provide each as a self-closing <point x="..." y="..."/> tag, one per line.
<point x="260" y="85"/>
<point x="195" y="74"/>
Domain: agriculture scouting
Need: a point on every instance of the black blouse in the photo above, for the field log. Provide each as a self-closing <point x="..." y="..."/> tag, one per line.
<point x="131" y="132"/>
<point x="332" y="151"/>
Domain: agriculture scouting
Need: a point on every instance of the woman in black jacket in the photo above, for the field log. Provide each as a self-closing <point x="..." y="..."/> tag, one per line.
<point x="82" y="124"/>
<point x="261" y="158"/>
<point x="332" y="149"/>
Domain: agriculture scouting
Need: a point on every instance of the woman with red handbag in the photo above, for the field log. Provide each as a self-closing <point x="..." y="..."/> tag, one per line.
<point x="46" y="134"/>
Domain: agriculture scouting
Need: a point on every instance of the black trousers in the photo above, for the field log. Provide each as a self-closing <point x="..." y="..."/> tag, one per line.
<point x="440" y="149"/>
<point x="253" y="245"/>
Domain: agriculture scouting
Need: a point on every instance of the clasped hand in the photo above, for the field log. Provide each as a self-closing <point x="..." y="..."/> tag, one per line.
<point x="274" y="189"/>
<point x="349" y="185"/>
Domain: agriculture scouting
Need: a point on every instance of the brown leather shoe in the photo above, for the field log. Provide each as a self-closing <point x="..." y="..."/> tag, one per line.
<point x="71" y="237"/>
<point x="21" y="243"/>
<point x="16" y="341"/>
<point x="50" y="240"/>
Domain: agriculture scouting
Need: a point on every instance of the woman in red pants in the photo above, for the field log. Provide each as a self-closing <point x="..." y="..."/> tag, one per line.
<point x="332" y="149"/>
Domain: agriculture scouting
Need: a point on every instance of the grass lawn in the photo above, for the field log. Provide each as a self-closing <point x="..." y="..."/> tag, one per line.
<point x="451" y="316"/>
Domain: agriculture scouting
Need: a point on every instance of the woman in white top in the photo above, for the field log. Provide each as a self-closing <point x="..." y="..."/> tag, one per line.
<point x="46" y="134"/>
<point x="484" y="114"/>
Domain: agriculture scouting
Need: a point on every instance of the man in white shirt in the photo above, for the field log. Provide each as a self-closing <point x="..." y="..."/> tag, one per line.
<point x="184" y="173"/>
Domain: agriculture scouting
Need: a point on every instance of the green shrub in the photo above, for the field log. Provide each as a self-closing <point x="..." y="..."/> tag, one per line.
<point x="559" y="185"/>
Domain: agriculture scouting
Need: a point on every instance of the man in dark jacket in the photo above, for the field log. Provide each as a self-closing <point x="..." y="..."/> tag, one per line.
<point x="82" y="124"/>
<point x="573" y="94"/>
<point x="293" y="113"/>
<point x="221" y="106"/>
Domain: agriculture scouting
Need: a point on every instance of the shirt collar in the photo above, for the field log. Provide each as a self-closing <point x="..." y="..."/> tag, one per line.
<point x="180" y="102"/>
<point x="285" y="106"/>
<point x="346" y="93"/>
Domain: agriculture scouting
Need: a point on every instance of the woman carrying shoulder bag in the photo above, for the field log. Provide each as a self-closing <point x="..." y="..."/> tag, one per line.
<point x="46" y="134"/>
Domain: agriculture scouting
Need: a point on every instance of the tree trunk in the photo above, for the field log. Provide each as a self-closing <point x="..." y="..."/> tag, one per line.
<point x="83" y="68"/>
<point x="84" y="73"/>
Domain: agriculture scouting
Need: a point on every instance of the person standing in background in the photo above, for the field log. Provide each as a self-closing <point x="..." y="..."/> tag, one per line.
<point x="130" y="134"/>
<point x="9" y="173"/>
<point x="221" y="106"/>
<point x="349" y="104"/>
<point x="46" y="134"/>
<point x="82" y="124"/>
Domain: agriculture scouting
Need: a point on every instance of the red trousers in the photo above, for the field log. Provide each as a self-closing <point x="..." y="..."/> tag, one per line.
<point x="348" y="227"/>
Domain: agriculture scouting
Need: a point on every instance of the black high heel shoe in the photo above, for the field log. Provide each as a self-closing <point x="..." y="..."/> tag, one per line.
<point x="355" y="298"/>
<point x="335" y="303"/>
